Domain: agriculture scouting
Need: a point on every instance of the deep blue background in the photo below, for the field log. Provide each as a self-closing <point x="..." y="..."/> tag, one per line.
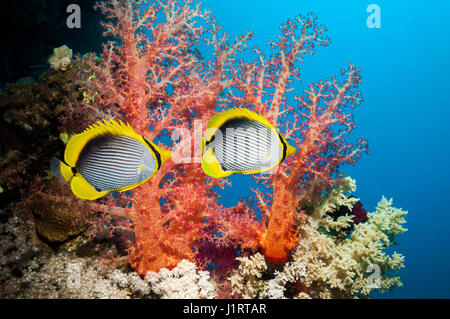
<point x="405" y="113"/>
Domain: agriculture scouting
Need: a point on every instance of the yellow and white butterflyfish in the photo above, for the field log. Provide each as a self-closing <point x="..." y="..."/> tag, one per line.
<point x="108" y="156"/>
<point x="241" y="141"/>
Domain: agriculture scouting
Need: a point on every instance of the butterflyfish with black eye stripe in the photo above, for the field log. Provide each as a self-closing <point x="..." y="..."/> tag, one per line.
<point x="108" y="156"/>
<point x="242" y="141"/>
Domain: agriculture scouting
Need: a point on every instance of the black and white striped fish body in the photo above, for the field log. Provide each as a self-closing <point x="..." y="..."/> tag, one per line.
<point x="113" y="162"/>
<point x="246" y="146"/>
<point x="108" y="156"/>
<point x="241" y="141"/>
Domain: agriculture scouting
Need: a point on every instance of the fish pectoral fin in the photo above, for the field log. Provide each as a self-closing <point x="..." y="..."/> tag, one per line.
<point x="211" y="166"/>
<point x="82" y="189"/>
<point x="62" y="171"/>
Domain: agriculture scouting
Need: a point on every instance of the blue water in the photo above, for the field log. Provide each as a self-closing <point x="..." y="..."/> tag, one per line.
<point x="405" y="67"/>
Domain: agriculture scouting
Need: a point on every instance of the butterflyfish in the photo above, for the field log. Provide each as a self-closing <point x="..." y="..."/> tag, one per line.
<point x="108" y="156"/>
<point x="242" y="141"/>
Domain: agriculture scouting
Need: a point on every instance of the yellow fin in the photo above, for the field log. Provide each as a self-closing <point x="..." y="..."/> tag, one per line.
<point x="236" y="113"/>
<point x="66" y="171"/>
<point x="211" y="166"/>
<point x="62" y="171"/>
<point x="165" y="155"/>
<point x="79" y="141"/>
<point x="290" y="150"/>
<point x="124" y="189"/>
<point x="82" y="189"/>
<point x="203" y="145"/>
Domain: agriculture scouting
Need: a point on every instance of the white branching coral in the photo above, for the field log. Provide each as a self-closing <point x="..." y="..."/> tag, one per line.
<point x="61" y="58"/>
<point x="182" y="282"/>
<point x="247" y="281"/>
<point x="292" y="273"/>
<point x="335" y="199"/>
<point x="339" y="265"/>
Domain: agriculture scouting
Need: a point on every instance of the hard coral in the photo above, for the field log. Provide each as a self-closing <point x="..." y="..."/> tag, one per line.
<point x="152" y="77"/>
<point x="56" y="221"/>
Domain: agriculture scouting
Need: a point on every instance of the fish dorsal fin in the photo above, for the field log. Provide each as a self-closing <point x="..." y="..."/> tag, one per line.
<point x="79" y="141"/>
<point x="236" y="113"/>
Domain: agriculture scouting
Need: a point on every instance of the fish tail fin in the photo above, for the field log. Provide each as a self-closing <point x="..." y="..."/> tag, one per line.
<point x="290" y="150"/>
<point x="165" y="155"/>
<point x="62" y="171"/>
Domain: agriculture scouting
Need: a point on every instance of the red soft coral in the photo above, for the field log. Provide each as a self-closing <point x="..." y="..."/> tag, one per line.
<point x="152" y="76"/>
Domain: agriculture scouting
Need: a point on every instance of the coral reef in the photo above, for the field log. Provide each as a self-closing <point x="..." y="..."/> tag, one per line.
<point x="163" y="84"/>
<point x="127" y="91"/>
<point x="32" y="116"/>
<point x="306" y="238"/>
